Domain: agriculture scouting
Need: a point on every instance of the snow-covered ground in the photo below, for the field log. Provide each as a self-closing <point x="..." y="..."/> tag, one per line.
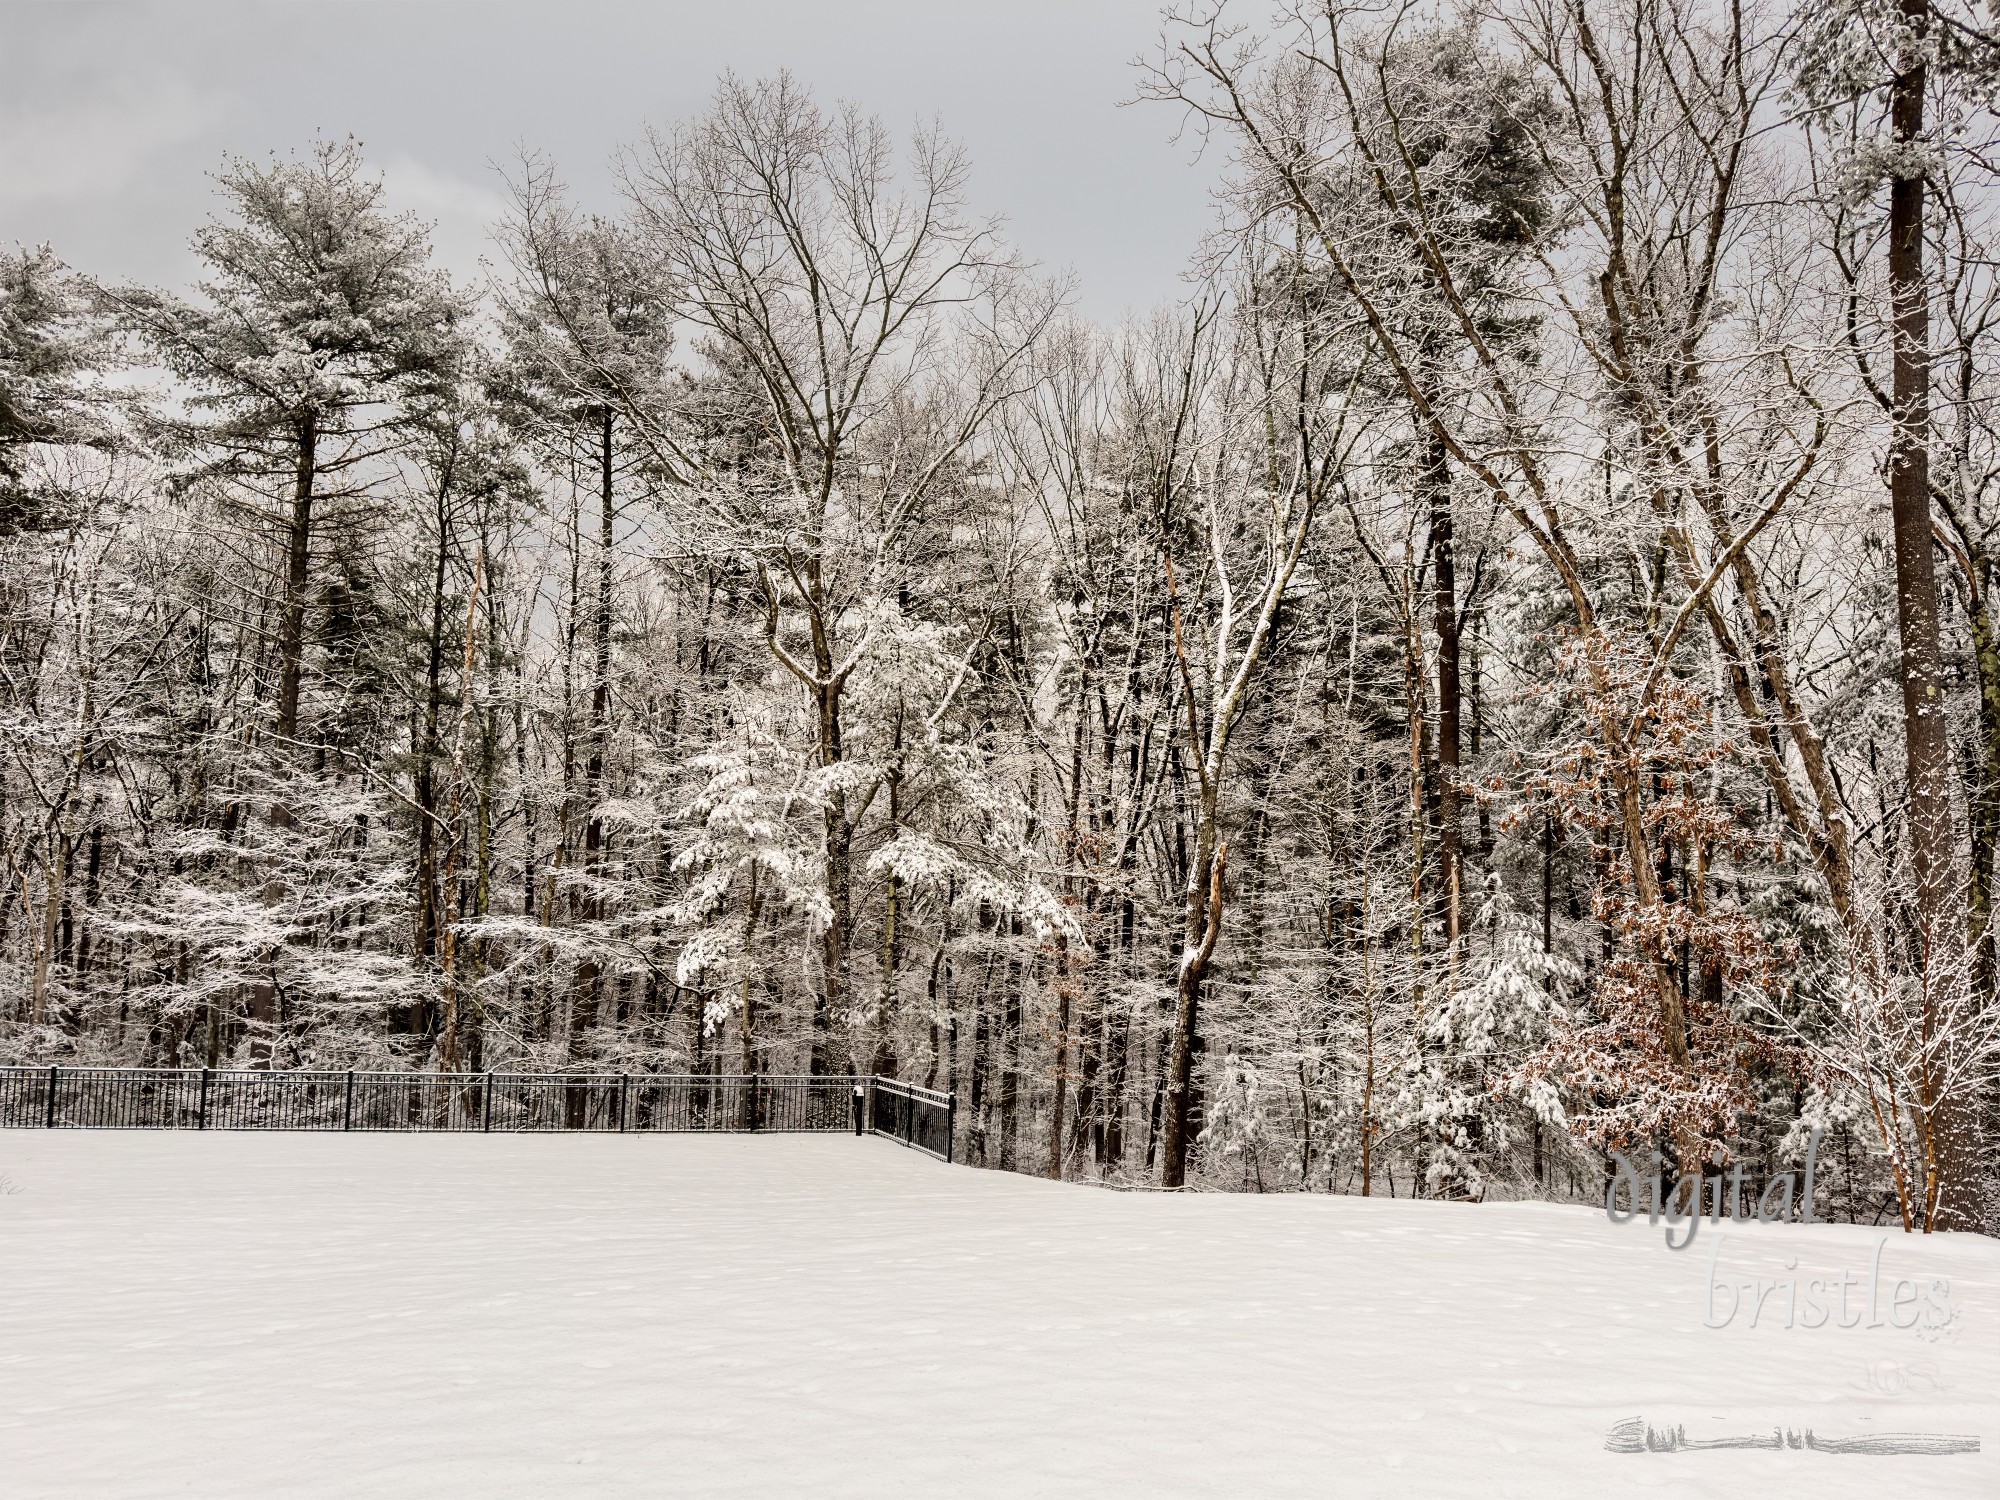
<point x="273" y="1315"/>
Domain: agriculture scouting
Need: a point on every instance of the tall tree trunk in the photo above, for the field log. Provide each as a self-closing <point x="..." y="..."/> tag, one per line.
<point x="1477" y="728"/>
<point x="1072" y="880"/>
<point x="263" y="1006"/>
<point x="93" y="869"/>
<point x="1415" y="691"/>
<point x="483" y="813"/>
<point x="298" y="575"/>
<point x="883" y="1059"/>
<point x="1983" y="812"/>
<point x="1010" y="1048"/>
<point x="588" y="986"/>
<point x="976" y="1137"/>
<point x="56" y="873"/>
<point x="750" y="1119"/>
<point x="1087" y="1131"/>
<point x="450" y="1054"/>
<point x="830" y="1001"/>
<point x="424" y="784"/>
<point x="1444" y="582"/>
<point x="1368" y="1005"/>
<point x="1201" y="926"/>
<point x="587" y="983"/>
<point x="1945" y="1120"/>
<point x="1059" y="1076"/>
<point x="1118" y="1045"/>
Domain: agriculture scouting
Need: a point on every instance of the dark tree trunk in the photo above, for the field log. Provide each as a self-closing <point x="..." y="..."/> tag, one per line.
<point x="263" y="1006"/>
<point x="1010" y="1048"/>
<point x="587" y="992"/>
<point x="430" y="750"/>
<point x="1202" y="926"/>
<point x="1983" y="814"/>
<point x="1118" y="1047"/>
<point x="587" y="984"/>
<point x="1931" y="834"/>
<point x="976" y="1138"/>
<point x="830" y="1002"/>
<point x="298" y="577"/>
<point x="1444" y="579"/>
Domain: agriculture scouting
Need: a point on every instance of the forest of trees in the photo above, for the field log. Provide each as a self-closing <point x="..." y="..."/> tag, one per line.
<point x="1507" y="666"/>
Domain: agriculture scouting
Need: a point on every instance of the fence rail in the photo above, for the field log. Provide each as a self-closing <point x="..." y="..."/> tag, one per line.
<point x="59" y="1098"/>
<point x="919" y="1117"/>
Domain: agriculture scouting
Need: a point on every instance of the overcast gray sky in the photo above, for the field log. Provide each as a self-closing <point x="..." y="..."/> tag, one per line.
<point x="110" y="115"/>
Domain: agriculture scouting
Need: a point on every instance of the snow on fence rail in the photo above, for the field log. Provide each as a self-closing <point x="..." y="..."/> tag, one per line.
<point x="54" y="1098"/>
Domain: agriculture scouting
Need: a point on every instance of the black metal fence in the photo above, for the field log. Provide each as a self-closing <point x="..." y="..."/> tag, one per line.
<point x="57" y="1098"/>
<point x="919" y="1117"/>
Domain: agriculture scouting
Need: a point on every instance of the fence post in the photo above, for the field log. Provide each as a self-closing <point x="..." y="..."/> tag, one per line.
<point x="49" y="1119"/>
<point x="201" y="1107"/>
<point x="857" y="1108"/>
<point x="486" y="1103"/>
<point x="950" y="1123"/>
<point x="347" y="1104"/>
<point x="624" y="1088"/>
<point x="909" y="1118"/>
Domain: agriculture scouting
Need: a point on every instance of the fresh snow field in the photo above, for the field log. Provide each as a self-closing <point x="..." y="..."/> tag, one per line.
<point x="490" y="1316"/>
